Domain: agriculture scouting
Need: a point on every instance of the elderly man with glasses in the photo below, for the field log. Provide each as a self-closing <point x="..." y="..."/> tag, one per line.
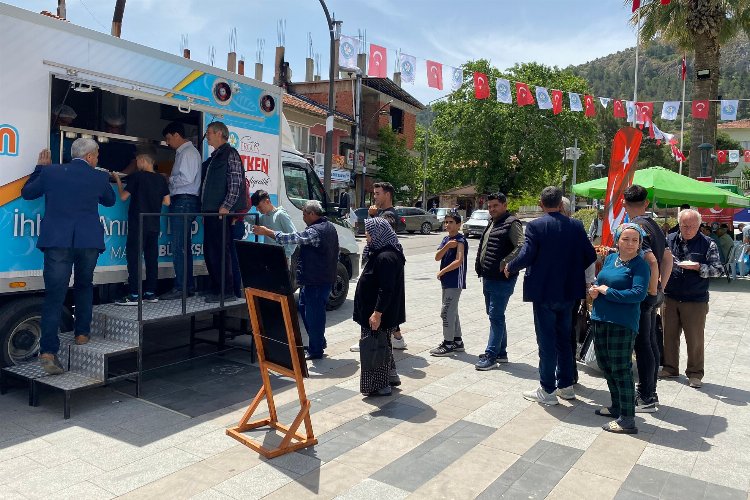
<point x="696" y="259"/>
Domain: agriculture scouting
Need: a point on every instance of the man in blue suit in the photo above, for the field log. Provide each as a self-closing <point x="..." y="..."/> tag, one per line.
<point x="555" y="254"/>
<point x="71" y="238"/>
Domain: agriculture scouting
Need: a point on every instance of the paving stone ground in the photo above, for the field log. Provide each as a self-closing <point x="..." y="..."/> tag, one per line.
<point x="448" y="432"/>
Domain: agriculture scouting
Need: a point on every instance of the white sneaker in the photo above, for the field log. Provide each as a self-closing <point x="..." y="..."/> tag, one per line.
<point x="355" y="347"/>
<point x="566" y="393"/>
<point x="541" y="396"/>
<point x="398" y="343"/>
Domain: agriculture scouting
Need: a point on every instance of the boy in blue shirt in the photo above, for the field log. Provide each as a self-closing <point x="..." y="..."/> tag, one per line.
<point x="452" y="254"/>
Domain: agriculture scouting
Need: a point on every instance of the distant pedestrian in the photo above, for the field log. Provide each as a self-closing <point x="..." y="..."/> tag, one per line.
<point x="344" y="202"/>
<point x="555" y="255"/>
<point x="596" y="227"/>
<point x="452" y="254"/>
<point x="618" y="292"/>
<point x="686" y="305"/>
<point x="380" y="305"/>
<point x="500" y="243"/>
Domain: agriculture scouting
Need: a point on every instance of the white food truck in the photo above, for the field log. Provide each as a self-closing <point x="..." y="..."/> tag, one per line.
<point x="123" y="95"/>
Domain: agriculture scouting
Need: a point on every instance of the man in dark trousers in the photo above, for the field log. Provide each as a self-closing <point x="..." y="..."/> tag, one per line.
<point x="500" y="243"/>
<point x="316" y="270"/>
<point x="224" y="191"/>
<point x="659" y="259"/>
<point x="555" y="255"/>
<point x="71" y="237"/>
<point x="344" y="202"/>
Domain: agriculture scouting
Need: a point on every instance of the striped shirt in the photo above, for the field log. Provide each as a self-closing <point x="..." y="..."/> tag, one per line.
<point x="457" y="277"/>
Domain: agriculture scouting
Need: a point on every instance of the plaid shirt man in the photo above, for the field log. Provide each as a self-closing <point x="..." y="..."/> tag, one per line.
<point x="711" y="269"/>
<point x="235" y="178"/>
<point x="309" y="236"/>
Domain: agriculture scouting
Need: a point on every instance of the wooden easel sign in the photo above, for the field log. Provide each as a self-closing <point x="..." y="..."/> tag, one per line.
<point x="273" y="314"/>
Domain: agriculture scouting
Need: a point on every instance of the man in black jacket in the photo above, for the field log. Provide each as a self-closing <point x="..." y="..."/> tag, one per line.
<point x="316" y="270"/>
<point x="500" y="243"/>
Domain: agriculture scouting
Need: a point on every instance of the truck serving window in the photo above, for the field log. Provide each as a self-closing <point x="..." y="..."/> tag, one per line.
<point x="302" y="184"/>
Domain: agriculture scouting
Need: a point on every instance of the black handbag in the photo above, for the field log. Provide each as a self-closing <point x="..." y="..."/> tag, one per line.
<point x="373" y="350"/>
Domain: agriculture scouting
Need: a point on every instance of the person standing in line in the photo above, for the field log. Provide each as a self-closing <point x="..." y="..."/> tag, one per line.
<point x="380" y="303"/>
<point x="696" y="259"/>
<point x="71" y="238"/>
<point x="595" y="229"/>
<point x="500" y="243"/>
<point x="453" y="255"/>
<point x="555" y="255"/>
<point x="659" y="259"/>
<point x="316" y="270"/>
<point x="344" y="202"/>
<point x="184" y="186"/>
<point x="275" y="219"/>
<point x="147" y="192"/>
<point x="383" y="193"/>
<point x="223" y="191"/>
<point x="618" y="292"/>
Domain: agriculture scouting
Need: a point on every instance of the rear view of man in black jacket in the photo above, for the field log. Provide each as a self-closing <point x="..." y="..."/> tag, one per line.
<point x="500" y="243"/>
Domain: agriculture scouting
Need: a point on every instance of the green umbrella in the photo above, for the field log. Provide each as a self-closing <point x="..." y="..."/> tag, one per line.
<point x="670" y="188"/>
<point x="729" y="187"/>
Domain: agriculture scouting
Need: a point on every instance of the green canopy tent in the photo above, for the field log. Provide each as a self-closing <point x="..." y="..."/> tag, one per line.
<point x="728" y="187"/>
<point x="669" y="188"/>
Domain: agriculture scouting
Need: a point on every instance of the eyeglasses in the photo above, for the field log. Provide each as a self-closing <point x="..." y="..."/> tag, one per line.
<point x="689" y="226"/>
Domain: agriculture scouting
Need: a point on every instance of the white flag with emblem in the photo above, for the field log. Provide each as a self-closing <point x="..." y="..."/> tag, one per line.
<point x="729" y="110"/>
<point x="604" y="101"/>
<point x="348" y="50"/>
<point x="575" y="102"/>
<point x="504" y="94"/>
<point x="630" y="107"/>
<point x="457" y="78"/>
<point x="669" y="110"/>
<point x="542" y="98"/>
<point x="407" y="64"/>
<point x="734" y="156"/>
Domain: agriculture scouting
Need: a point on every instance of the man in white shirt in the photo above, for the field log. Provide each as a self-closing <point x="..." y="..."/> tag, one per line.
<point x="184" y="186"/>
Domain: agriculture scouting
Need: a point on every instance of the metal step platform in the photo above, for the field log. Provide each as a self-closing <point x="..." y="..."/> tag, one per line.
<point x="116" y="333"/>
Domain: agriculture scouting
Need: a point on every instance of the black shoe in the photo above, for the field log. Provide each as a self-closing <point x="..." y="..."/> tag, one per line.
<point x="394" y="380"/>
<point x="446" y="348"/>
<point x="458" y="345"/>
<point x="150" y="297"/>
<point x="128" y="300"/>
<point x="645" y="405"/>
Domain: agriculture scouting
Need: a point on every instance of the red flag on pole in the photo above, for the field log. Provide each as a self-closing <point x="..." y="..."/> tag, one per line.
<point x="700" y="109"/>
<point x="683" y="69"/>
<point x="590" y="107"/>
<point x="557" y="99"/>
<point x="481" y="88"/>
<point x="665" y="2"/>
<point x="378" y="61"/>
<point x="625" y="148"/>
<point x="721" y="155"/>
<point x="746" y="156"/>
<point x="523" y="94"/>
<point x="644" y="112"/>
<point x="636" y="4"/>
<point x="435" y="75"/>
<point x="618" y="109"/>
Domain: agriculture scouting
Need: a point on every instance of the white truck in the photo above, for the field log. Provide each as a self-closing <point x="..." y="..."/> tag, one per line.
<point x="48" y="62"/>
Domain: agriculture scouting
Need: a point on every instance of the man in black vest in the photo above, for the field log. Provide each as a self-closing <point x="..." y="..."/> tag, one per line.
<point x="316" y="270"/>
<point x="344" y="202"/>
<point x="223" y="190"/>
<point x="659" y="259"/>
<point x="686" y="305"/>
<point x="500" y="243"/>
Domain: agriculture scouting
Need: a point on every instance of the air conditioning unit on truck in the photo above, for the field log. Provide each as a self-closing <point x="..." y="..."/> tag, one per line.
<point x="48" y="62"/>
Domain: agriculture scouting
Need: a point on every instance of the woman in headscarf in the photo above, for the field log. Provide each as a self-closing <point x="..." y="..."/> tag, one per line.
<point x="379" y="303"/>
<point x="619" y="289"/>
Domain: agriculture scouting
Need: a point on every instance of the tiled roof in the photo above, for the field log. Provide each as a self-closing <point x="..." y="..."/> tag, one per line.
<point x="304" y="103"/>
<point x="53" y="16"/>
<point x="735" y="124"/>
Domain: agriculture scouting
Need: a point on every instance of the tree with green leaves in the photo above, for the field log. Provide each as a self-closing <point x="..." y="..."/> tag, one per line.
<point x="399" y="167"/>
<point x="700" y="27"/>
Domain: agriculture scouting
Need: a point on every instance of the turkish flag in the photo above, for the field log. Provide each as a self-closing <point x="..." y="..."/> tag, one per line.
<point x="746" y="156"/>
<point x="481" y="87"/>
<point x="523" y="94"/>
<point x="636" y="4"/>
<point x="619" y="110"/>
<point x="721" y="155"/>
<point x="700" y="109"/>
<point x="644" y="112"/>
<point x="590" y="107"/>
<point x="622" y="165"/>
<point x="557" y="99"/>
<point x="378" y="61"/>
<point x="435" y="75"/>
<point x="665" y="2"/>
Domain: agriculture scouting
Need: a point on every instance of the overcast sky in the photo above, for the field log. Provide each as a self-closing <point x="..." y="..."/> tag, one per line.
<point x="553" y="32"/>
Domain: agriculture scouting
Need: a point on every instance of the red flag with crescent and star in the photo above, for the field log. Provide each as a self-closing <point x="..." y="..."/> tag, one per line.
<point x="378" y="61"/>
<point x="644" y="113"/>
<point x="625" y="147"/>
<point x="523" y="94"/>
<point x="746" y="156"/>
<point x="700" y="109"/>
<point x="481" y="88"/>
<point x="590" y="107"/>
<point x="618" y="109"/>
<point x="435" y="75"/>
<point x="721" y="155"/>
<point x="557" y="100"/>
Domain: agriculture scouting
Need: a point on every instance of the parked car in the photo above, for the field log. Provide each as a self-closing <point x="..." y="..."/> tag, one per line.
<point x="476" y="224"/>
<point x="416" y="219"/>
<point x="361" y="214"/>
<point x="440" y="214"/>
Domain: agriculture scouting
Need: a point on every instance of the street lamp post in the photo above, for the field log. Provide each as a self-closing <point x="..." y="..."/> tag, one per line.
<point x="333" y="28"/>
<point x="364" y="152"/>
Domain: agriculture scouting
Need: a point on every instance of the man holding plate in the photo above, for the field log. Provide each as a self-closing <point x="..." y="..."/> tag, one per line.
<point x="696" y="259"/>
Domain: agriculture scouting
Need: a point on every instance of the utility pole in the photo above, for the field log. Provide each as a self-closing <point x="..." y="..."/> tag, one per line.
<point x="333" y="27"/>
<point x="117" y="18"/>
<point x="61" y="9"/>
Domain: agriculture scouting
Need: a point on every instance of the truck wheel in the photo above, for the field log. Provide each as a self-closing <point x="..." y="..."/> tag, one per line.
<point x="340" y="288"/>
<point x="21" y="329"/>
<point x="426" y="228"/>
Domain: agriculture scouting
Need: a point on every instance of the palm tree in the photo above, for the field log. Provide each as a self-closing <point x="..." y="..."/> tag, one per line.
<point x="700" y="27"/>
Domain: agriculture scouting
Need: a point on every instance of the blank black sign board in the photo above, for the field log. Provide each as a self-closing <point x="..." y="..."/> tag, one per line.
<point x="264" y="267"/>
